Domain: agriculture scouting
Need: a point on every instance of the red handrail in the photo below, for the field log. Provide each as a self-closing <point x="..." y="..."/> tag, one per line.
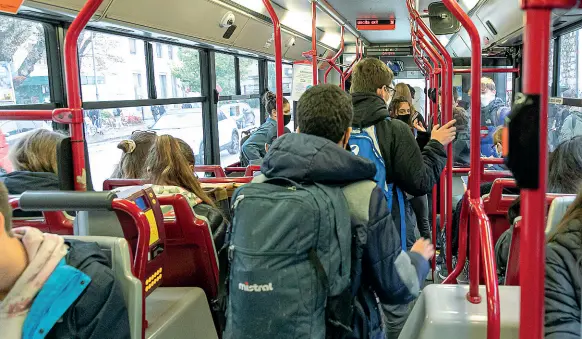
<point x="333" y="59"/>
<point x="487" y="70"/>
<point x="278" y="66"/>
<point x="358" y="57"/>
<point x="314" y="41"/>
<point x="481" y="231"/>
<point x="537" y="34"/>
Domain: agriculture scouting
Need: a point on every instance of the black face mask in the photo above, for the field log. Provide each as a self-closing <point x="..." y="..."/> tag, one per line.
<point x="286" y="119"/>
<point x="405" y="117"/>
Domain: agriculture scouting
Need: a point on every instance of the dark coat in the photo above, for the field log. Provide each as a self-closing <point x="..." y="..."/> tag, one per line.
<point x="563" y="283"/>
<point x="18" y="182"/>
<point x="253" y="150"/>
<point x="415" y="172"/>
<point x="379" y="266"/>
<point x="100" y="311"/>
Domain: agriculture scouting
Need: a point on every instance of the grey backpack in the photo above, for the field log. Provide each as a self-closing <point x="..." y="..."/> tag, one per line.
<point x="289" y="254"/>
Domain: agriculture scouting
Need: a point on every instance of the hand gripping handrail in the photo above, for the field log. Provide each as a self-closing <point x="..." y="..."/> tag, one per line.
<point x="73" y="114"/>
<point x="481" y="238"/>
<point x="278" y="66"/>
<point x="446" y="181"/>
<point x="332" y="62"/>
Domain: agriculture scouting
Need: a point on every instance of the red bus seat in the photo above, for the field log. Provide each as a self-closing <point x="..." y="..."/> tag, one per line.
<point x="496" y="205"/>
<point x="216" y="170"/>
<point x="110" y="184"/>
<point x="191" y="256"/>
<point x="56" y="222"/>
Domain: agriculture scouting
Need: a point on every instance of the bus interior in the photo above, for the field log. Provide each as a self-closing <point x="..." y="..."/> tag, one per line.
<point x="98" y="70"/>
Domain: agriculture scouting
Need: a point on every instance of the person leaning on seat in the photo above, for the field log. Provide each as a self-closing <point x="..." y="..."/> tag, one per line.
<point x="55" y="288"/>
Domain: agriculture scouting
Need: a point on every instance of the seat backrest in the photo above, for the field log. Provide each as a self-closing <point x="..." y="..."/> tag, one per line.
<point x="496" y="205"/>
<point x="191" y="258"/>
<point x="557" y="211"/>
<point x="110" y="184"/>
<point x="65" y="166"/>
<point x="216" y="170"/>
<point x="56" y="222"/>
<point x="512" y="271"/>
<point x="117" y="249"/>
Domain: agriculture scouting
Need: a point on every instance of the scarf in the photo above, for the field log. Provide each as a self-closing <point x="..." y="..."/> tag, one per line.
<point x="44" y="252"/>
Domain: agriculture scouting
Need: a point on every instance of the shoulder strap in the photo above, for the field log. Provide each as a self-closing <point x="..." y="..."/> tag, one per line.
<point x="402" y="212"/>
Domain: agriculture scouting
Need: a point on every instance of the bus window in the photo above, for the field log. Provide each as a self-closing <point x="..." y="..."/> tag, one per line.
<point x="249" y="76"/>
<point x="178" y="72"/>
<point x="105" y="128"/>
<point x="287" y="77"/>
<point x="235" y="116"/>
<point x="570" y="65"/>
<point x="112" y="67"/>
<point x="23" y="62"/>
<point x="225" y="74"/>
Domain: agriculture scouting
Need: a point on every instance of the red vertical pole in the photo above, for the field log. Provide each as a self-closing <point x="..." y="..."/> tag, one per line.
<point x="74" y="91"/>
<point x="532" y="253"/>
<point x="314" y="40"/>
<point x="278" y="66"/>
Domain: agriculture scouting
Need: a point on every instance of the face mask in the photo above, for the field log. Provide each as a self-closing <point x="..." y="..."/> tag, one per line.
<point x="286" y="119"/>
<point x="485" y="100"/>
<point x="404" y="117"/>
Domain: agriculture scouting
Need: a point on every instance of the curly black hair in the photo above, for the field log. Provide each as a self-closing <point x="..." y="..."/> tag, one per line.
<point x="325" y="111"/>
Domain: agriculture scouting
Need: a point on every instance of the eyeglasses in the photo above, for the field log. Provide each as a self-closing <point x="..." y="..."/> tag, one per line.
<point x="140" y="131"/>
<point x="391" y="90"/>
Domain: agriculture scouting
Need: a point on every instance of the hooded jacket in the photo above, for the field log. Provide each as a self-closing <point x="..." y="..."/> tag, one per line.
<point x="563" y="283"/>
<point x="413" y="171"/>
<point x="253" y="150"/>
<point x="19" y="182"/>
<point x="462" y="148"/>
<point x="379" y="266"/>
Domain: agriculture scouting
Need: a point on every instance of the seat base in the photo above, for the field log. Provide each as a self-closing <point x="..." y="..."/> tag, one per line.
<point x="179" y="312"/>
<point x="442" y="311"/>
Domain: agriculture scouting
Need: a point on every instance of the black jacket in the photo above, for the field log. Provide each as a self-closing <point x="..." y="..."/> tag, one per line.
<point x="100" y="311"/>
<point x="19" y="182"/>
<point x="379" y="267"/>
<point x="462" y="148"/>
<point x="563" y="283"/>
<point x="415" y="172"/>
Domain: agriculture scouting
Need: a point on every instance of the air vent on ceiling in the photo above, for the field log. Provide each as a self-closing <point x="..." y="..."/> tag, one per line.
<point x="558" y="23"/>
<point x="119" y="29"/>
<point x="165" y="38"/>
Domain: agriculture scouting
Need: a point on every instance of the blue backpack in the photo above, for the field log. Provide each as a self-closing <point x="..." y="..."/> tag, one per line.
<point x="289" y="260"/>
<point x="363" y="142"/>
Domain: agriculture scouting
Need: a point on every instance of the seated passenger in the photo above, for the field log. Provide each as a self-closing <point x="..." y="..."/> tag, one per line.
<point x="135" y="152"/>
<point x="564" y="177"/>
<point x="170" y="169"/>
<point x="317" y="155"/>
<point x="255" y="147"/>
<point x="493" y="111"/>
<point x="563" y="276"/>
<point x="34" y="158"/>
<point x="55" y="288"/>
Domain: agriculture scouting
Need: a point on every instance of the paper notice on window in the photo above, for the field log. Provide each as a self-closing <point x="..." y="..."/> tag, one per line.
<point x="10" y="6"/>
<point x="302" y="80"/>
<point x="6" y="85"/>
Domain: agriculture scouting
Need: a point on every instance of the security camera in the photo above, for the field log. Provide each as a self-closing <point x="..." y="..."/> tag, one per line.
<point x="227" y="20"/>
<point x="290" y="42"/>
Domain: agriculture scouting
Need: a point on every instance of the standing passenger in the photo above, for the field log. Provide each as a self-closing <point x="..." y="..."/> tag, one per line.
<point x="55" y="288"/>
<point x="411" y="170"/>
<point x="254" y="149"/>
<point x="316" y="156"/>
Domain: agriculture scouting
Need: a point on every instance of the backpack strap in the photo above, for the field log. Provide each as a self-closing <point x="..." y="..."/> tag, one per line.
<point x="574" y="118"/>
<point x="401" y="210"/>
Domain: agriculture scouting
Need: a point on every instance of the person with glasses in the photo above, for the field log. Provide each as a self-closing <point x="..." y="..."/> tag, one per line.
<point x="135" y="152"/>
<point x="408" y="168"/>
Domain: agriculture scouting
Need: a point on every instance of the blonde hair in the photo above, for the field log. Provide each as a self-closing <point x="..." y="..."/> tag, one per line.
<point x="167" y="166"/>
<point x="498" y="136"/>
<point x="37" y="151"/>
<point x="487" y="84"/>
<point x="402" y="90"/>
<point x="135" y="151"/>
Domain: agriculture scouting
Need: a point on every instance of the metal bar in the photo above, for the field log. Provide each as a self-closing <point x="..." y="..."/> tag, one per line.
<point x="140" y="103"/>
<point x="314" y="41"/>
<point x="278" y="66"/>
<point x="532" y="252"/>
<point x="26" y="115"/>
<point x="74" y="91"/>
<point x="237" y="76"/>
<point x="348" y="71"/>
<point x="486" y="70"/>
<point x="476" y="203"/>
<point x="333" y="59"/>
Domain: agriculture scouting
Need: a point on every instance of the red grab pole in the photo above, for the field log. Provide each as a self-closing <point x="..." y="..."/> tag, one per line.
<point x="314" y="40"/>
<point x="278" y="66"/>
<point x="332" y="63"/>
<point x="481" y="238"/>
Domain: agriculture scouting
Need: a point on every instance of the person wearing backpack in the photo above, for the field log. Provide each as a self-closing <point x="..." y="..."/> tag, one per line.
<point x="572" y="125"/>
<point x="402" y="166"/>
<point x="312" y="245"/>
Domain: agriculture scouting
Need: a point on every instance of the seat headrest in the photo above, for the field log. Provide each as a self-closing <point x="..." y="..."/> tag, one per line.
<point x="557" y="212"/>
